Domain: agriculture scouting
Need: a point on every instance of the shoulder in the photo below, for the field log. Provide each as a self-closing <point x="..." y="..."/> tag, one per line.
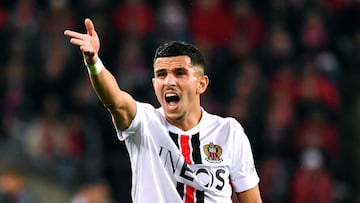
<point x="147" y="113"/>
<point x="225" y="128"/>
<point x="146" y="117"/>
<point x="145" y="106"/>
<point x="146" y="110"/>
<point x="230" y="122"/>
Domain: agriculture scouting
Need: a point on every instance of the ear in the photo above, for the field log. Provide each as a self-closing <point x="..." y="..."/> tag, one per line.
<point x="203" y="83"/>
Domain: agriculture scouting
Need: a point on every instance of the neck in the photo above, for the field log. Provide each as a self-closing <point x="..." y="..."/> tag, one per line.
<point x="190" y="120"/>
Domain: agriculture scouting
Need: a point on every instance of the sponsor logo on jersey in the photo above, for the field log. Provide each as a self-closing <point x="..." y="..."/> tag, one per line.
<point x="195" y="179"/>
<point x="213" y="153"/>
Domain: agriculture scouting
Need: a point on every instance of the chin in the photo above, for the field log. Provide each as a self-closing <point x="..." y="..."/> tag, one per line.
<point x="176" y="117"/>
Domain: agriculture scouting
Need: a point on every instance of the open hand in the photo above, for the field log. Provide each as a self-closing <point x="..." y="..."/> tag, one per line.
<point x="88" y="43"/>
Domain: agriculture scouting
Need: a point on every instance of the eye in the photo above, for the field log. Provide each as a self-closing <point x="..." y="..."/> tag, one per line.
<point x="160" y="74"/>
<point x="181" y="72"/>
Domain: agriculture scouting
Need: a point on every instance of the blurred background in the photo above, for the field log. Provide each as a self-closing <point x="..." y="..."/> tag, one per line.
<point x="288" y="70"/>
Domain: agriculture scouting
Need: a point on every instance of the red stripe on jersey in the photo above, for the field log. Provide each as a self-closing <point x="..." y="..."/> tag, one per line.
<point x="185" y="148"/>
<point x="189" y="196"/>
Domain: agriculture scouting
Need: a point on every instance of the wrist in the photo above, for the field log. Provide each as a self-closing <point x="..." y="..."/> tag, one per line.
<point x="95" y="69"/>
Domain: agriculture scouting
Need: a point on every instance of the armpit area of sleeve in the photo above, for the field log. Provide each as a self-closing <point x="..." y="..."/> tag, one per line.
<point x="244" y="183"/>
<point x="123" y="134"/>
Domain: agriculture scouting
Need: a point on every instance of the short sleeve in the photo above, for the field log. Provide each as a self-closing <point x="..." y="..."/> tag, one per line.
<point x="134" y="125"/>
<point x="243" y="174"/>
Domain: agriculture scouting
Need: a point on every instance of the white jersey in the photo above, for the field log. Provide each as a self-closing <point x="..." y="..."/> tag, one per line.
<point x="195" y="166"/>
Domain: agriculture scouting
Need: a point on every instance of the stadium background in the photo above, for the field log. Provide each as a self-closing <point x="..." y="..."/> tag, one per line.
<point x="288" y="70"/>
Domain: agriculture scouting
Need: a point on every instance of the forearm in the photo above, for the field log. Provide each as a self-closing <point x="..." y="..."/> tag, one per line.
<point x="120" y="104"/>
<point x="250" y="196"/>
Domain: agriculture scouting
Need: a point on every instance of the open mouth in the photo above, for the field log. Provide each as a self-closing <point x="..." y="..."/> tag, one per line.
<point x="172" y="101"/>
<point x="172" y="98"/>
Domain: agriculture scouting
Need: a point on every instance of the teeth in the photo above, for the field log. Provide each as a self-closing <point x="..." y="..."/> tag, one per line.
<point x="170" y="95"/>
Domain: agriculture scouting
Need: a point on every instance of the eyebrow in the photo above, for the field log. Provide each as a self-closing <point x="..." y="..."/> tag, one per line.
<point x="172" y="69"/>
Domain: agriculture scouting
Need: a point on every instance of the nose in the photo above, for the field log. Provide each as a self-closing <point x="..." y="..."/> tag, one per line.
<point x="170" y="79"/>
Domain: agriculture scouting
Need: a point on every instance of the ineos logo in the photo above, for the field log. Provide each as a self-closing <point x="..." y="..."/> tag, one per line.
<point x="209" y="179"/>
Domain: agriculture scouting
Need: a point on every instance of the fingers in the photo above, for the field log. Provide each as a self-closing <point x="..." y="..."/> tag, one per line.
<point x="77" y="42"/>
<point x="84" y="47"/>
<point x="76" y="38"/>
<point x="88" y="42"/>
<point x="73" y="34"/>
<point x="89" y="27"/>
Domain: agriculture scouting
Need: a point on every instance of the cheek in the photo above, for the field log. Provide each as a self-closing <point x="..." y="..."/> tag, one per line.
<point x="191" y="89"/>
<point x="195" y="85"/>
<point x="155" y="84"/>
<point x="157" y="90"/>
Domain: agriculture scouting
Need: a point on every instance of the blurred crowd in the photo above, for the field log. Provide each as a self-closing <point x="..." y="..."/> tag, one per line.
<point x="287" y="70"/>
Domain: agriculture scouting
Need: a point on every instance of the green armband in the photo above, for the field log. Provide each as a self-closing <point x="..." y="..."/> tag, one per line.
<point x="96" y="68"/>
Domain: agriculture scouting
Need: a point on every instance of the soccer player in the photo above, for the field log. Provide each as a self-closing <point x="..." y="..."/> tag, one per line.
<point x="178" y="152"/>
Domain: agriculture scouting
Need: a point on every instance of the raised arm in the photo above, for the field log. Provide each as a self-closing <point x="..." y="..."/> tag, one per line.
<point x="120" y="104"/>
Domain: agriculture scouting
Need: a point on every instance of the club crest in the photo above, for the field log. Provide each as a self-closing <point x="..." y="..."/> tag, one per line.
<point x="213" y="153"/>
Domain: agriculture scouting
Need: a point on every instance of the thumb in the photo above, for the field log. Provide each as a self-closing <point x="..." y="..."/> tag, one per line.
<point x="90" y="27"/>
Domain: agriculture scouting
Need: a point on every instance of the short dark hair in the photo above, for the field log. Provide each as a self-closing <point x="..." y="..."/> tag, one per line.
<point x="180" y="48"/>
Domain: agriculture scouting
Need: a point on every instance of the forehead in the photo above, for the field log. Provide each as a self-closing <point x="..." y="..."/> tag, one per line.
<point x="172" y="62"/>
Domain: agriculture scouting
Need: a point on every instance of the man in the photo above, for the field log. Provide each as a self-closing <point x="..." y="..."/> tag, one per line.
<point x="178" y="152"/>
<point x="13" y="187"/>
